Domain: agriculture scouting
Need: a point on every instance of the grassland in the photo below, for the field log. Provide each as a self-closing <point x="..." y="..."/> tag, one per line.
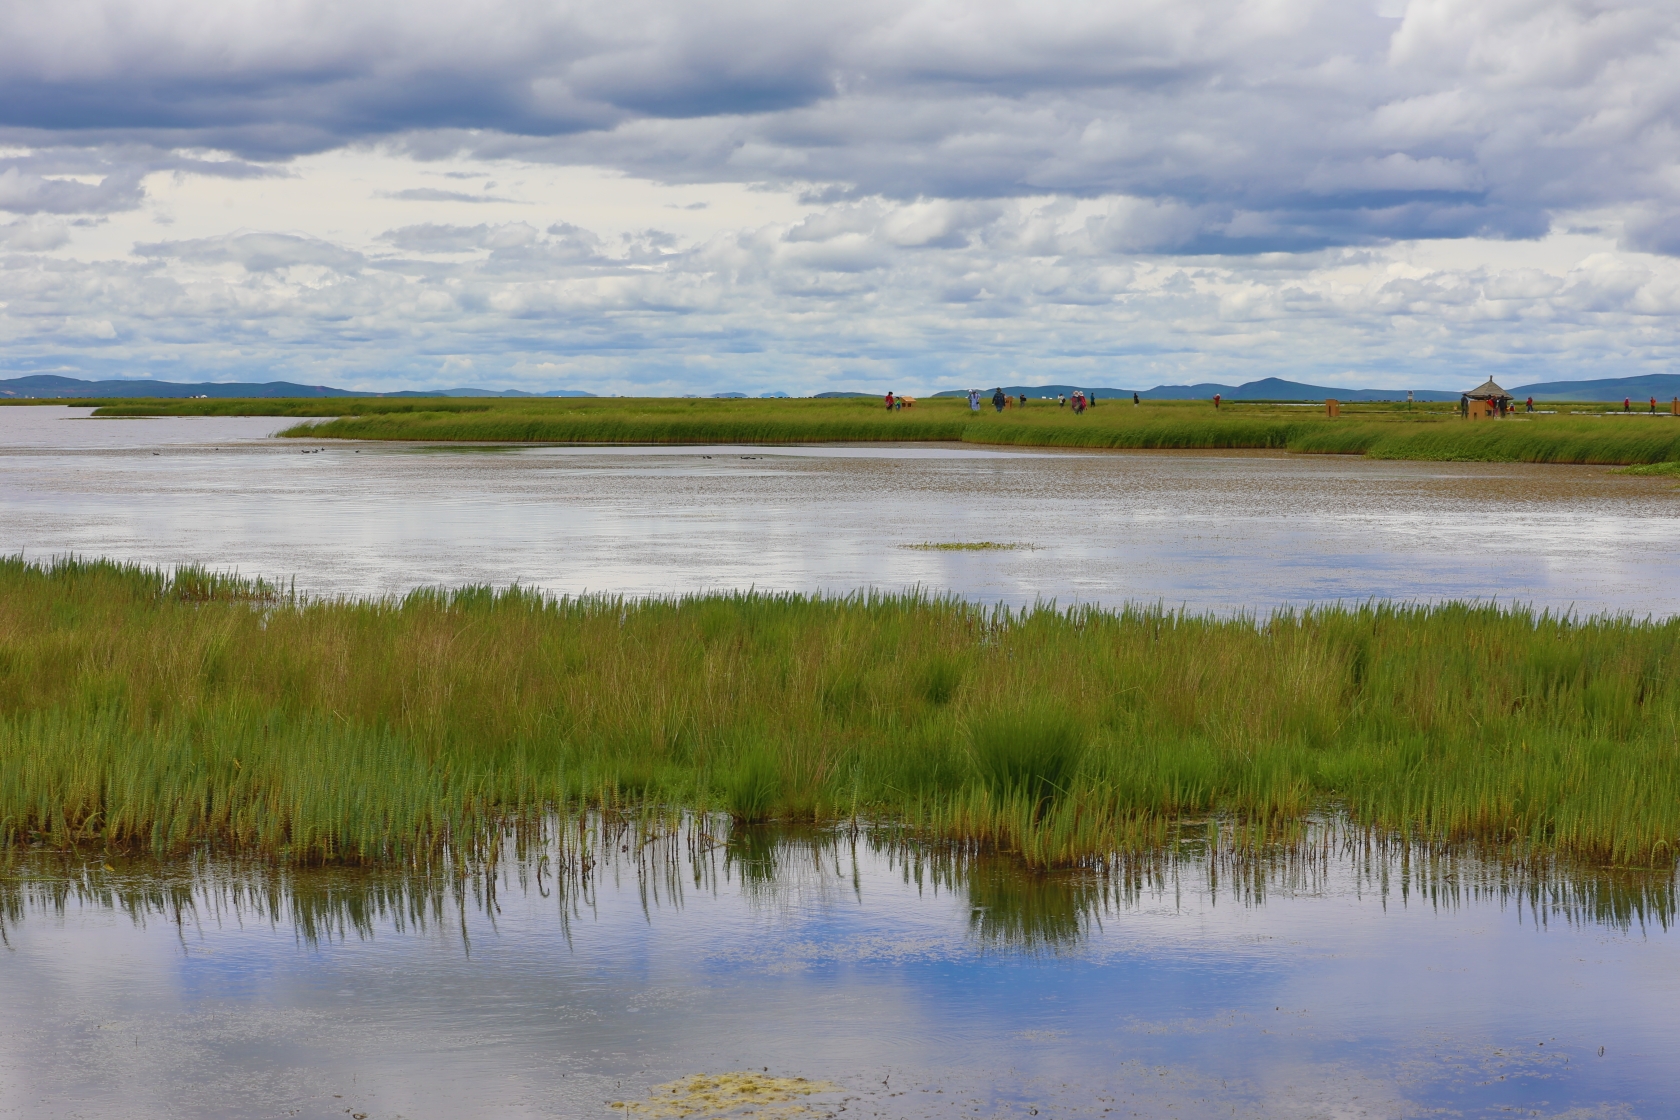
<point x="155" y="713"/>
<point x="1576" y="434"/>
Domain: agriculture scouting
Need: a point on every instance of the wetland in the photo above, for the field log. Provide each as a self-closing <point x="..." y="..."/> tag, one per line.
<point x="401" y="780"/>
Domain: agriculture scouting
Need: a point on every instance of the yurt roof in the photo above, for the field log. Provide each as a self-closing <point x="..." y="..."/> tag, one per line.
<point x="1487" y="391"/>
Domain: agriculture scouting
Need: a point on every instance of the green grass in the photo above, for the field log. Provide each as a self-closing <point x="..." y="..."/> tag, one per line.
<point x="1429" y="432"/>
<point x="147" y="713"/>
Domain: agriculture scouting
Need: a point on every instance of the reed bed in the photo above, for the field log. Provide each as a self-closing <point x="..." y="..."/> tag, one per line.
<point x="1426" y="432"/>
<point x="141" y="711"/>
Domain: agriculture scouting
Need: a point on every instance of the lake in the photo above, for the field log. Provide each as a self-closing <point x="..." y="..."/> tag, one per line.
<point x="1223" y="532"/>
<point x="1329" y="979"/>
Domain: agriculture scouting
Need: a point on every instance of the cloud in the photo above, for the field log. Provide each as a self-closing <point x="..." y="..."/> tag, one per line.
<point x="920" y="295"/>
<point x="104" y="179"/>
<point x="257" y="252"/>
<point x="432" y="194"/>
<point x="24" y="193"/>
<point x="940" y="191"/>
<point x="432" y="238"/>
<point x="34" y="236"/>
<point x="1283" y="125"/>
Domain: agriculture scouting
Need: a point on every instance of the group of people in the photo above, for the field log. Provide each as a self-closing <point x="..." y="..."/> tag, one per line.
<point x="896" y="402"/>
<point x="1500" y="405"/>
<point x="1001" y="400"/>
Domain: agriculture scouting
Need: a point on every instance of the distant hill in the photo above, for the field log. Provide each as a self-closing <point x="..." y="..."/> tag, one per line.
<point x="1277" y="389"/>
<point x="1663" y="386"/>
<point x="1268" y="389"/>
<point x="46" y="385"/>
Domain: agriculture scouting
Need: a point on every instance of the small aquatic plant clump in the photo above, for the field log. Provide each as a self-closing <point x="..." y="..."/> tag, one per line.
<point x="965" y="546"/>
<point x="147" y="712"/>
<point x="761" y="1095"/>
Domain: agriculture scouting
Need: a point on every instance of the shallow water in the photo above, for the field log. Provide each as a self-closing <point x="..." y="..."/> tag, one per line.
<point x="1224" y="532"/>
<point x="1331" y="979"/>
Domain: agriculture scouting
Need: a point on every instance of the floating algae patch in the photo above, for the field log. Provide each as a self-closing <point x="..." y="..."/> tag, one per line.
<point x="743" y="1093"/>
<point x="965" y="546"/>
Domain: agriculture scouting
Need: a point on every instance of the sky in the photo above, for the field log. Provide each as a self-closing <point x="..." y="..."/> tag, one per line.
<point x="648" y="197"/>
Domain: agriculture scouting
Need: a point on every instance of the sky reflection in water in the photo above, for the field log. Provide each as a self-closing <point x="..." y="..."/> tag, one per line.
<point x="1326" y="979"/>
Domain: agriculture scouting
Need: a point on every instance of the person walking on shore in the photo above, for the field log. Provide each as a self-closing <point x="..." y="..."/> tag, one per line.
<point x="974" y="400"/>
<point x="1134" y="398"/>
<point x="889" y="400"/>
<point x="1216" y="402"/>
<point x="1531" y="404"/>
<point x="1627" y="405"/>
<point x="998" y="399"/>
<point x="1653" y="406"/>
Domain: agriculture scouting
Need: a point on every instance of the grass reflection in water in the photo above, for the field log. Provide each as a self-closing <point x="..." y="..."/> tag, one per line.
<point x="1010" y="907"/>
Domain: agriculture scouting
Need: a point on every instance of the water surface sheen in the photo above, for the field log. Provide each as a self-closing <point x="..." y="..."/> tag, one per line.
<point x="1224" y="532"/>
<point x="1332" y="981"/>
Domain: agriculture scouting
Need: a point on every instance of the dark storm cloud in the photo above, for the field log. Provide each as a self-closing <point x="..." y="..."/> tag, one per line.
<point x="1248" y="126"/>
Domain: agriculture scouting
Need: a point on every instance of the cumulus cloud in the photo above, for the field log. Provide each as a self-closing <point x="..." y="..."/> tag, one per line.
<point x="855" y="292"/>
<point x="34" y="235"/>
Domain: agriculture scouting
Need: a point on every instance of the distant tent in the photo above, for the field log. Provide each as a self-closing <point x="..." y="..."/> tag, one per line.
<point x="1488" y="391"/>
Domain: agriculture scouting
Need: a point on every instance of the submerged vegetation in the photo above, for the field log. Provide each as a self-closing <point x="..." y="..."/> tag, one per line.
<point x="1576" y="434"/>
<point x="158" y="713"/>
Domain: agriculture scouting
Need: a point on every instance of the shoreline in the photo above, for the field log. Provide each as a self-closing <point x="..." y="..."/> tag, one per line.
<point x="1422" y="433"/>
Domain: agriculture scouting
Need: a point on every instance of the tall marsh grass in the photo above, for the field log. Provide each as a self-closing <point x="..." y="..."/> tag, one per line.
<point x="1428" y="432"/>
<point x="139" y="712"/>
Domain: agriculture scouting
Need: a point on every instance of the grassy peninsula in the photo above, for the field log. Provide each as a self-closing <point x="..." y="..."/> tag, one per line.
<point x="155" y="712"/>
<point x="1571" y="434"/>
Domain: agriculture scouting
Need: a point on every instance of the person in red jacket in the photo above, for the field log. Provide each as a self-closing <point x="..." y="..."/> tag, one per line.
<point x="889" y="401"/>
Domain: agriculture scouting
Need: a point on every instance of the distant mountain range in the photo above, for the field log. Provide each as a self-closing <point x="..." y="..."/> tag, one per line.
<point x="1663" y="386"/>
<point x="51" y="385"/>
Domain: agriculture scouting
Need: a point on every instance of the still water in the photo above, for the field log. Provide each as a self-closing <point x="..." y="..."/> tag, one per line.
<point x="596" y="964"/>
<point x="1223" y="532"/>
